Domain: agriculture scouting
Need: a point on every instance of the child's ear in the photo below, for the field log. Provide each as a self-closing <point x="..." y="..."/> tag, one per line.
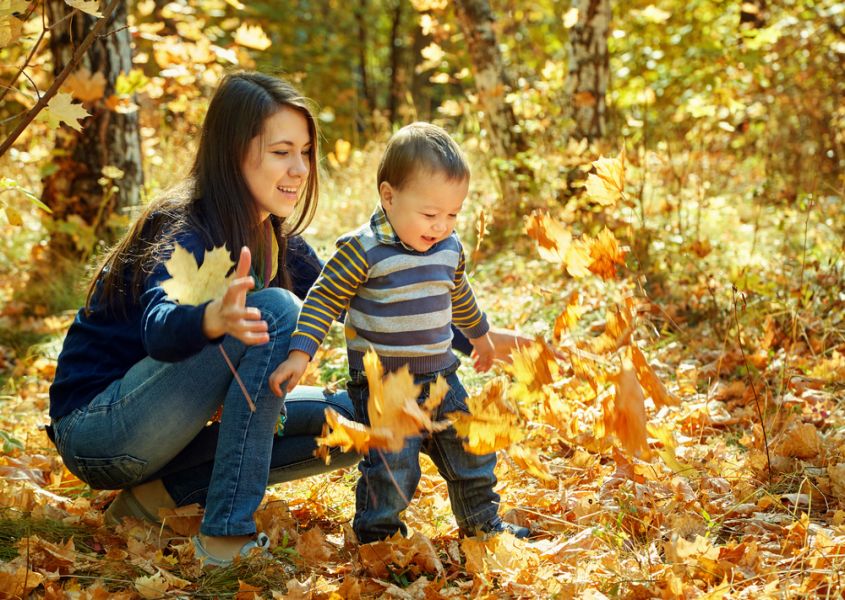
<point x="385" y="190"/>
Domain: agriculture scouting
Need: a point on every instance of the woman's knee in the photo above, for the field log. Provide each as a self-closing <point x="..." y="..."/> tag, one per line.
<point x="279" y="307"/>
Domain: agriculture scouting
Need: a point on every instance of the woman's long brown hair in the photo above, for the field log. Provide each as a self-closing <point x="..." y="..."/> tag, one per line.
<point x="214" y="199"/>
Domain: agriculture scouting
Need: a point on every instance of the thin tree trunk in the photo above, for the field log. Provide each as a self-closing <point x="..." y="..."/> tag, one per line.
<point x="589" y="68"/>
<point x="752" y="14"/>
<point x="108" y="138"/>
<point x="420" y="85"/>
<point x="492" y="84"/>
<point x="396" y="84"/>
<point x="363" y="72"/>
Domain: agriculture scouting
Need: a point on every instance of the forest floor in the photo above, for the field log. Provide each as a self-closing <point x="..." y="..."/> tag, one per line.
<point x="719" y="505"/>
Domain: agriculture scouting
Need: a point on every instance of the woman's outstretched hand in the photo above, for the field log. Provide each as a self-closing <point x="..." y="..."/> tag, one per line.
<point x="230" y="314"/>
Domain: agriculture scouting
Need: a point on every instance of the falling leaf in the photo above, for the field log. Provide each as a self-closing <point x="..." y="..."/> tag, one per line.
<point x="190" y="284"/>
<point x="480" y="230"/>
<point x="533" y="366"/>
<point x="340" y="432"/>
<point x="606" y="255"/>
<point x="566" y="321"/>
<point x="578" y="259"/>
<point x="85" y="86"/>
<point x="553" y="240"/>
<point x="618" y="329"/>
<point x="624" y="411"/>
<point x="491" y="425"/>
<point x="61" y="109"/>
<point x="649" y="380"/>
<point x="570" y="18"/>
<point x="91" y="7"/>
<point x="607" y="184"/>
<point x="252" y="36"/>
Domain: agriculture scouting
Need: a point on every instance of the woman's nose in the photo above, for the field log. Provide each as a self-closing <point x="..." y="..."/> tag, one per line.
<point x="299" y="166"/>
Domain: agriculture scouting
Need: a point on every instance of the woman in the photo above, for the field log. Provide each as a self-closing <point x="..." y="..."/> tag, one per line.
<point x="140" y="376"/>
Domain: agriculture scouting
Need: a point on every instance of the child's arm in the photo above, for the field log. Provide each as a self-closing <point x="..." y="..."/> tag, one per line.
<point x="344" y="272"/>
<point x="469" y="318"/>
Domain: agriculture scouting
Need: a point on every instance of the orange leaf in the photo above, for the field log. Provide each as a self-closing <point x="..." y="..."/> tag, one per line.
<point x="606" y="254"/>
<point x="529" y="461"/>
<point x="247" y="591"/>
<point x="532" y="367"/>
<point x="552" y="239"/>
<point x="313" y="547"/>
<point x="650" y="381"/>
<point x="624" y="412"/>
<point x="416" y="554"/>
<point x="569" y="317"/>
<point x="85" y="86"/>
<point x="618" y="329"/>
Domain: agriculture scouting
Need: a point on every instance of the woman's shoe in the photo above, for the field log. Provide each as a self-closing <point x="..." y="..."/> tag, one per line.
<point x="125" y="504"/>
<point x="261" y="542"/>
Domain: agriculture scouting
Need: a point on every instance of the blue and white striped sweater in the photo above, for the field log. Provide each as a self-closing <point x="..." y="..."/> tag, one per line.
<point x="399" y="302"/>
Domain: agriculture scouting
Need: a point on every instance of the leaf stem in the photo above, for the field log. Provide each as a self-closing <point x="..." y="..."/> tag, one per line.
<point x="249" y="401"/>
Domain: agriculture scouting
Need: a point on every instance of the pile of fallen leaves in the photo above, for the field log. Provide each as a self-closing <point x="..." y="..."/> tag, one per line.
<point x="644" y="470"/>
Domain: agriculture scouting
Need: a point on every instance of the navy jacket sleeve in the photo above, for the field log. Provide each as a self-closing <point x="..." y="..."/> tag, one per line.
<point x="171" y="331"/>
<point x="303" y="265"/>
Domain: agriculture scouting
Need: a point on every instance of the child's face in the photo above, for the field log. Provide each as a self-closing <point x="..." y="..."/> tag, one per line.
<point x="277" y="163"/>
<point x="424" y="210"/>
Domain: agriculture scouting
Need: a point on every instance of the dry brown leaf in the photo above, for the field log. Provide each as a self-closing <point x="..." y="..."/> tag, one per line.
<point x="47" y="556"/>
<point x="624" y="412"/>
<point x="553" y="240"/>
<point x="247" y="591"/>
<point x="619" y="326"/>
<point x="184" y="520"/>
<point x="416" y="554"/>
<point x="85" y="86"/>
<point x="18" y="581"/>
<point x="607" y="184"/>
<point x="151" y="586"/>
<point x="837" y="479"/>
<point x="799" y="440"/>
<point x="313" y="547"/>
<point x="606" y="255"/>
<point x="528" y="460"/>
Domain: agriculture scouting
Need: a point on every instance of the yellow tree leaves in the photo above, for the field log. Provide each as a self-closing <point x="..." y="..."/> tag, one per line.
<point x="61" y="109"/>
<point x="393" y="410"/>
<point x="492" y="423"/>
<point x="192" y="284"/>
<point x="607" y="185"/>
<point x="85" y="86"/>
<point x="252" y="36"/>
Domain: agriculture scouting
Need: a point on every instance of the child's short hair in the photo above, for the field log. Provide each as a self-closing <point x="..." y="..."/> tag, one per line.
<point x="421" y="147"/>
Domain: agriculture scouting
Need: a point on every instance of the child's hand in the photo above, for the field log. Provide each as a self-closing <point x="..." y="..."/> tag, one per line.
<point x="483" y="353"/>
<point x="288" y="374"/>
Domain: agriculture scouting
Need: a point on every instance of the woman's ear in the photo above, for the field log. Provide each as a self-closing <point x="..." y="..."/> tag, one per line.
<point x="385" y="190"/>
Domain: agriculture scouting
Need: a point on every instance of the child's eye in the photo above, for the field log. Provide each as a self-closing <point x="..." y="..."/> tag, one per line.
<point x="453" y="216"/>
<point x="429" y="216"/>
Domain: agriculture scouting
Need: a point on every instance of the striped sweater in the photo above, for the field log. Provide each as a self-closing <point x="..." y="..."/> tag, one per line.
<point x="399" y="301"/>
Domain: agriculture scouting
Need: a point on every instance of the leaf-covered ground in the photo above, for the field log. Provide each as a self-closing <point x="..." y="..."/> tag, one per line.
<point x="713" y="503"/>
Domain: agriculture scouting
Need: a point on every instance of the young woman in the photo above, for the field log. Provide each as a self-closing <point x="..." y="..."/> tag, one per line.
<point x="140" y="376"/>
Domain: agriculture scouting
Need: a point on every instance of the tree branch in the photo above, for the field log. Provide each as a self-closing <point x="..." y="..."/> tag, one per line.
<point x="74" y="61"/>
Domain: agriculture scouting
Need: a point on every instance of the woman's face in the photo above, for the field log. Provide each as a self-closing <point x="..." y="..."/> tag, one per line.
<point x="278" y="161"/>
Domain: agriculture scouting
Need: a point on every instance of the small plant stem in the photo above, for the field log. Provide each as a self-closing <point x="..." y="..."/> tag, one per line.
<point x="249" y="401"/>
<point x="751" y="382"/>
<point x="60" y="78"/>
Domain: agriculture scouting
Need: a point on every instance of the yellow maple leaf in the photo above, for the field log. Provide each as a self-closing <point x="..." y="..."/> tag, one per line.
<point x="192" y="284"/>
<point x="91" y="7"/>
<point x="492" y="423"/>
<point x="607" y="184"/>
<point x="61" y="109"/>
<point x="618" y="329"/>
<point x="578" y="259"/>
<point x="252" y="36"/>
<point x="152" y="586"/>
<point x="553" y="240"/>
<point x="85" y="86"/>
<point x="10" y="30"/>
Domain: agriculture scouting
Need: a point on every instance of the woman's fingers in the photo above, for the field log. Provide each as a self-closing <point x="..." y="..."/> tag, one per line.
<point x="244" y="263"/>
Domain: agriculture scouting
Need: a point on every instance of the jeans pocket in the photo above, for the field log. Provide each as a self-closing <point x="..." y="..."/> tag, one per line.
<point x="110" y="473"/>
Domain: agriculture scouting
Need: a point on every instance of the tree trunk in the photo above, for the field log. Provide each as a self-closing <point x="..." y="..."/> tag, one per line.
<point x="396" y="77"/>
<point x="81" y="198"/>
<point x="589" y="68"/>
<point x="503" y="129"/>
<point x="363" y="71"/>
<point x="420" y="84"/>
<point x="752" y="14"/>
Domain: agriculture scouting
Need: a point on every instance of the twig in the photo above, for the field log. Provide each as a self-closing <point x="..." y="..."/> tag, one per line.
<point x="751" y="382"/>
<point x="234" y="371"/>
<point x="71" y="65"/>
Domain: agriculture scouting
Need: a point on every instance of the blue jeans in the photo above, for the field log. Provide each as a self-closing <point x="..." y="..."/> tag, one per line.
<point x="153" y="424"/>
<point x="388" y="480"/>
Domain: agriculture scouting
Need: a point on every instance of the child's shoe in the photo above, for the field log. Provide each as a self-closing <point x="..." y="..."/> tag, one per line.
<point x="498" y="526"/>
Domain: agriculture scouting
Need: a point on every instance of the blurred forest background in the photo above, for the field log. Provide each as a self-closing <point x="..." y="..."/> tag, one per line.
<point x="727" y="116"/>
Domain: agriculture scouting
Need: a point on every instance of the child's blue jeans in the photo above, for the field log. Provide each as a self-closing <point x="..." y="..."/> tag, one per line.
<point x="388" y="480"/>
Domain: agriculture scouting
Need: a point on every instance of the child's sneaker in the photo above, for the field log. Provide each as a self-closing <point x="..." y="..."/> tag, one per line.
<point x="498" y="526"/>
